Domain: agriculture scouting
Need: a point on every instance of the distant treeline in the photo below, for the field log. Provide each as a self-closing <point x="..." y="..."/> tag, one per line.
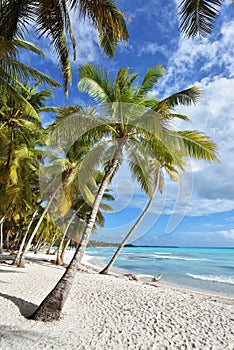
<point x="92" y="244"/>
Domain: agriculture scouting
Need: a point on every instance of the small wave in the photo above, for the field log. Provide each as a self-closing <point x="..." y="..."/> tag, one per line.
<point x="213" y="278"/>
<point x="178" y="258"/>
<point x="163" y="253"/>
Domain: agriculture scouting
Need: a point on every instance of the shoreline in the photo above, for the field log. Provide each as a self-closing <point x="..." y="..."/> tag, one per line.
<point x="98" y="263"/>
<point x="109" y="312"/>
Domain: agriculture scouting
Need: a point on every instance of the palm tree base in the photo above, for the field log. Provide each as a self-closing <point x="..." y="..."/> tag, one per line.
<point x="51" y="307"/>
<point x="46" y="314"/>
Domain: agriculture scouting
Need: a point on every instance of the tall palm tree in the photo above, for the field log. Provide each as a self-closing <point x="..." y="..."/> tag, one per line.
<point x="197" y="16"/>
<point x="158" y="181"/>
<point x="129" y="125"/>
<point x="21" y="138"/>
<point x="20" y="133"/>
<point x="68" y="165"/>
<point x="52" y="19"/>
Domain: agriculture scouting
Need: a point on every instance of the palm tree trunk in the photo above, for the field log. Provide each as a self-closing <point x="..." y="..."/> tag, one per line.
<point x="28" y="245"/>
<point x="8" y="239"/>
<point x="51" y="307"/>
<point x="137" y="223"/>
<point x="38" y="244"/>
<point x="59" y="260"/>
<point x="1" y="227"/>
<point x="64" y="250"/>
<point x="51" y="244"/>
<point x="1" y="237"/>
<point x="19" y="259"/>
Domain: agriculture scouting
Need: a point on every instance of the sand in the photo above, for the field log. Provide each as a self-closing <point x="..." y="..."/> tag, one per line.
<point x="108" y="312"/>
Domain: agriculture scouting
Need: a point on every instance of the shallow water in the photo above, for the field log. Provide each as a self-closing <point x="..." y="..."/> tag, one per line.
<point x="207" y="269"/>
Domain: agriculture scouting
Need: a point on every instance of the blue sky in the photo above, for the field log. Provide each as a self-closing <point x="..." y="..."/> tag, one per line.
<point x="202" y="214"/>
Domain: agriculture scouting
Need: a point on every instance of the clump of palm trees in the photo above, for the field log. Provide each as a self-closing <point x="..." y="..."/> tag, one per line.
<point x="61" y="173"/>
<point x="131" y="124"/>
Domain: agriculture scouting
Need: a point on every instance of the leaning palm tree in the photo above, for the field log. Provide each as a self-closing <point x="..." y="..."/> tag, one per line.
<point x="197" y="16"/>
<point x="131" y="121"/>
<point x="158" y="182"/>
<point x="52" y="19"/>
<point x="21" y="137"/>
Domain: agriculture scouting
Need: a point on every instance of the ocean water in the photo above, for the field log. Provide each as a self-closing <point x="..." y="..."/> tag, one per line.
<point x="206" y="269"/>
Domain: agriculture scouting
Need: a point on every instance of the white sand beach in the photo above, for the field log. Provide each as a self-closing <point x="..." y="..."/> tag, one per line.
<point x="108" y="312"/>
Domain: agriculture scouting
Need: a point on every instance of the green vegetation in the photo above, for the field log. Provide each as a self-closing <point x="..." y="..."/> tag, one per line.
<point x="97" y="244"/>
<point x="141" y="127"/>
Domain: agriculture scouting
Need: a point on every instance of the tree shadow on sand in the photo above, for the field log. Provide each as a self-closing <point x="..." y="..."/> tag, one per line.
<point x="12" y="338"/>
<point x="25" y="307"/>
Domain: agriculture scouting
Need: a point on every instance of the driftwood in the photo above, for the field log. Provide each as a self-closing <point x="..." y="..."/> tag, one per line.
<point x="139" y="276"/>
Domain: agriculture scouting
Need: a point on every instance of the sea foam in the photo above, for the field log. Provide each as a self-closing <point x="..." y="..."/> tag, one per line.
<point x="213" y="278"/>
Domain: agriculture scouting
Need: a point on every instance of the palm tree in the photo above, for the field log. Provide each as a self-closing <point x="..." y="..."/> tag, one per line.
<point x="197" y="16"/>
<point x="21" y="138"/>
<point x="82" y="210"/>
<point x="132" y="122"/>
<point x="52" y="19"/>
<point x="158" y="182"/>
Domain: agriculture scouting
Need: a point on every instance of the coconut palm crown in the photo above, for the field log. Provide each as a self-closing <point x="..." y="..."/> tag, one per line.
<point x="52" y="19"/>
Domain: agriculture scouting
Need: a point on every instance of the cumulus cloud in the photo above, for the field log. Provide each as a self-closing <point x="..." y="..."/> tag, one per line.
<point x="213" y="189"/>
<point x="153" y="48"/>
<point x="227" y="234"/>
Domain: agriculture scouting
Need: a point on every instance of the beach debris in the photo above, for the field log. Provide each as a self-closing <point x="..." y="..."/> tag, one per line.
<point x="131" y="276"/>
<point x="157" y="278"/>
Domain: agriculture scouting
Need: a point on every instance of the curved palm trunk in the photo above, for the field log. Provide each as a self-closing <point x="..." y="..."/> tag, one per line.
<point x="1" y="237"/>
<point x="39" y="244"/>
<point x="51" y="307"/>
<point x="64" y="250"/>
<point x="59" y="260"/>
<point x="19" y="259"/>
<point x="28" y="245"/>
<point x="137" y="223"/>
<point x="1" y="227"/>
<point x="51" y="244"/>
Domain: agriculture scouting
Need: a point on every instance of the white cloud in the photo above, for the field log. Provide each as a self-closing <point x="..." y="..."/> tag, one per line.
<point x="227" y="234"/>
<point x="212" y="57"/>
<point x="195" y="58"/>
<point x="153" y="48"/>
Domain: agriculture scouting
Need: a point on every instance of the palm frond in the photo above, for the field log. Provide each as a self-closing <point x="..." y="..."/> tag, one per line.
<point x="150" y="123"/>
<point x="96" y="82"/>
<point x="198" y="145"/>
<point x="109" y="21"/>
<point x="150" y="79"/>
<point x="27" y="46"/>
<point x="18" y="99"/>
<point x="15" y="16"/>
<point x="106" y="207"/>
<point x="185" y="97"/>
<point x="50" y="22"/>
<point x="139" y="166"/>
<point x="23" y="72"/>
<point x="197" y="16"/>
<point x="68" y="129"/>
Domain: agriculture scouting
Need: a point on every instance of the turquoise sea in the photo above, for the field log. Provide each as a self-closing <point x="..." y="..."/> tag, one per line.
<point x="207" y="269"/>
